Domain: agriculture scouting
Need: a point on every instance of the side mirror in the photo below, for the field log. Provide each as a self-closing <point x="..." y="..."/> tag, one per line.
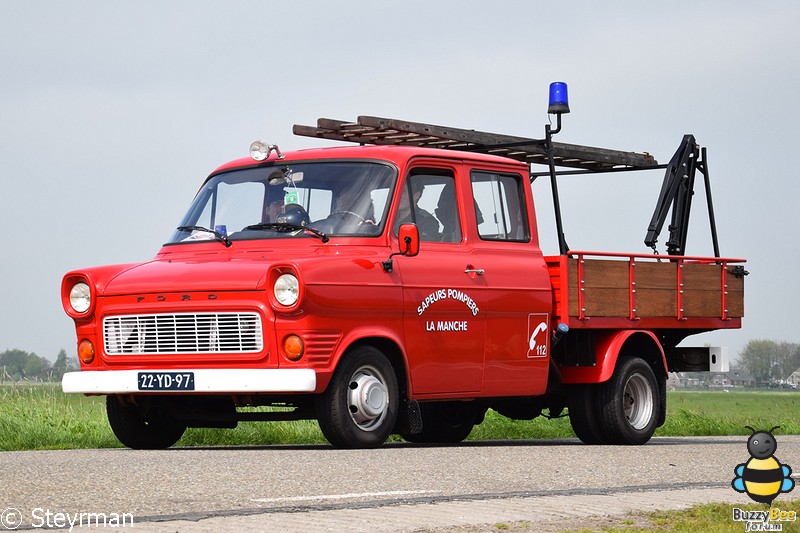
<point x="409" y="239"/>
<point x="408" y="234"/>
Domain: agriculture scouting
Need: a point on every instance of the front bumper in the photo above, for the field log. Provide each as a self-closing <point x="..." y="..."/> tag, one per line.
<point x="206" y="380"/>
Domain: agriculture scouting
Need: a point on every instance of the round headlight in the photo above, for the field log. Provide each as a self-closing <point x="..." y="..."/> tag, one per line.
<point x="80" y="297"/>
<point x="286" y="289"/>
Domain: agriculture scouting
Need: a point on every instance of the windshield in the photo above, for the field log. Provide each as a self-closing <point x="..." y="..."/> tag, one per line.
<point x="291" y="199"/>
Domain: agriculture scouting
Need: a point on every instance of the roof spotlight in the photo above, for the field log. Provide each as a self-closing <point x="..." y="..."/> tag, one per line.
<point x="260" y="150"/>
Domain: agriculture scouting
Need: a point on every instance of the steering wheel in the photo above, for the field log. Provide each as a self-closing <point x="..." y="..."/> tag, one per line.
<point x="344" y="214"/>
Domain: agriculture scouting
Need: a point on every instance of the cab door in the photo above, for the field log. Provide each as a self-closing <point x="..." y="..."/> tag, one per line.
<point x="443" y="289"/>
<point x="519" y="306"/>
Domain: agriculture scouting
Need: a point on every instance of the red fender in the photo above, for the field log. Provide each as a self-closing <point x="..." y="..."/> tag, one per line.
<point x="352" y="337"/>
<point x="608" y="348"/>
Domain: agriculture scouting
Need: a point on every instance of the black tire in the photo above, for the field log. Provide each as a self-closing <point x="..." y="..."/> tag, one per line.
<point x="584" y="414"/>
<point x="662" y="401"/>
<point x="445" y="422"/>
<point x="142" y="428"/>
<point x="630" y="403"/>
<point x="359" y="407"/>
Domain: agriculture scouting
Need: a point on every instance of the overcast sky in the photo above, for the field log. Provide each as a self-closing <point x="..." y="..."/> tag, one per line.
<point x="112" y="114"/>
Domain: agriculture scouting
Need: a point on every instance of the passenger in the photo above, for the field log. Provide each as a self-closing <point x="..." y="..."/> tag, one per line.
<point x="427" y="223"/>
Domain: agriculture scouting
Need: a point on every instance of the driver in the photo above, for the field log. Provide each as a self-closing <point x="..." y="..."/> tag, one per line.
<point x="274" y="203"/>
<point x="274" y="208"/>
<point x="355" y="206"/>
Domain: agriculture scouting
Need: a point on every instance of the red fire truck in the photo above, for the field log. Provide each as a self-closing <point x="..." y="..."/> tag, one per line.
<point x="398" y="286"/>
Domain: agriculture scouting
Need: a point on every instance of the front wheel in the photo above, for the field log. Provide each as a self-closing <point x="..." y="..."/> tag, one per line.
<point x="142" y="427"/>
<point x="629" y="403"/>
<point x="359" y="407"/>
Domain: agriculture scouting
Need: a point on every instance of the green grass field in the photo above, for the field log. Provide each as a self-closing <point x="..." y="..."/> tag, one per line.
<point x="705" y="518"/>
<point x="34" y="417"/>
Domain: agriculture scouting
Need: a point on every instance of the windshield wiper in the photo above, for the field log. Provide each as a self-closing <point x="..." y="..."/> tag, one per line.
<point x="286" y="227"/>
<point x="217" y="235"/>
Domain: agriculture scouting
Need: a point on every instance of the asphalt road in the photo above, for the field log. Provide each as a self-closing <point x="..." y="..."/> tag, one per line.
<point x="395" y="488"/>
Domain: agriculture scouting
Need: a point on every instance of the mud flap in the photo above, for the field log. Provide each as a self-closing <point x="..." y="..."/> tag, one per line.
<point x="409" y="420"/>
<point x="662" y="399"/>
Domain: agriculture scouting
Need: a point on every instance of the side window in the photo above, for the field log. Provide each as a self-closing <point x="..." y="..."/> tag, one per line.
<point x="499" y="206"/>
<point x="429" y="201"/>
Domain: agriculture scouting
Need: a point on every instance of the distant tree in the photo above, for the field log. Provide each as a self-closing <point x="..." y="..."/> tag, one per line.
<point x="791" y="359"/>
<point x="37" y="368"/>
<point x="769" y="361"/>
<point x="63" y="364"/>
<point x="13" y="364"/>
<point x="17" y="364"/>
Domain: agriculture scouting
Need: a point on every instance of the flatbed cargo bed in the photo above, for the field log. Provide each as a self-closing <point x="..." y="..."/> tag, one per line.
<point x="609" y="290"/>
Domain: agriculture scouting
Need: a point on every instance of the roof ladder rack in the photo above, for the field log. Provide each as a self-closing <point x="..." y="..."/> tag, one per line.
<point x="387" y="131"/>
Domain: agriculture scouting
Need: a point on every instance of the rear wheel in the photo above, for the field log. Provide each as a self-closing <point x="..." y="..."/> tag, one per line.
<point x="144" y="427"/>
<point x="359" y="407"/>
<point x="445" y="422"/>
<point x="630" y="403"/>
<point x="584" y="413"/>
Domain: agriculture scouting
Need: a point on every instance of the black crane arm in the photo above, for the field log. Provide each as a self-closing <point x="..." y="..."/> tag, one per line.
<point x="676" y="195"/>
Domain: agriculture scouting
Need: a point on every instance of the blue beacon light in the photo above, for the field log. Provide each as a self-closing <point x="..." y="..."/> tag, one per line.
<point x="559" y="101"/>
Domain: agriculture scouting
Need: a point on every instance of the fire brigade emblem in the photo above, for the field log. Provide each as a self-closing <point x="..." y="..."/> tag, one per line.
<point x="763" y="477"/>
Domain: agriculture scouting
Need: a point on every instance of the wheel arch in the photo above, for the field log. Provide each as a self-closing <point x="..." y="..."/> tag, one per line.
<point x="645" y="345"/>
<point x="613" y="345"/>
<point x="391" y="349"/>
<point x="384" y="340"/>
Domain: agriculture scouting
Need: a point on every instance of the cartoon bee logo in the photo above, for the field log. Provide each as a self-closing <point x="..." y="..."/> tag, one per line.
<point x="763" y="477"/>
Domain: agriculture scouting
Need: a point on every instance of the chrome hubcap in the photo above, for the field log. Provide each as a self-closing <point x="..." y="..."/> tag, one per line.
<point x="367" y="398"/>
<point x="638" y="401"/>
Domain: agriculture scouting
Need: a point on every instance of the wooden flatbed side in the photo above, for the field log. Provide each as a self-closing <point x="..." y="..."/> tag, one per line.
<point x="608" y="290"/>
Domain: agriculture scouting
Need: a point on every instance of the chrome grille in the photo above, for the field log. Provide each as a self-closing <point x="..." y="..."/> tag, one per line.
<point x="183" y="333"/>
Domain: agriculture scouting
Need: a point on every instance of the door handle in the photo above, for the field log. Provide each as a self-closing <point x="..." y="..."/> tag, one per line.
<point x="470" y="270"/>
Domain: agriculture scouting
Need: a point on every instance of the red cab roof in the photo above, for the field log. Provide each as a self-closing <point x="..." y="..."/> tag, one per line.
<point x="399" y="155"/>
